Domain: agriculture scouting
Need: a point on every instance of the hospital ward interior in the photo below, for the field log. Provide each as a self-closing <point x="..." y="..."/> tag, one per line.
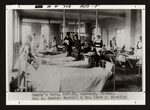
<point x="81" y="50"/>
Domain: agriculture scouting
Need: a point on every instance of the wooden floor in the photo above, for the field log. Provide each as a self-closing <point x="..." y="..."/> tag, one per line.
<point x="125" y="82"/>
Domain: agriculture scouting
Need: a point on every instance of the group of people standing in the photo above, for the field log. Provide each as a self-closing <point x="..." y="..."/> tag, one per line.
<point x="75" y="47"/>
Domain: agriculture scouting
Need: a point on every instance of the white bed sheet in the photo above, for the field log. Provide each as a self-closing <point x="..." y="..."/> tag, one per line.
<point x="64" y="78"/>
<point x="86" y="80"/>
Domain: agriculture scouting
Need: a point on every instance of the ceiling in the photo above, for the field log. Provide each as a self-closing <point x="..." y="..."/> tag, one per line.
<point x="87" y="15"/>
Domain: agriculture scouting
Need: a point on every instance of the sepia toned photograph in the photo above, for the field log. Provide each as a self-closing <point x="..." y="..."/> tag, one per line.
<point x="75" y="50"/>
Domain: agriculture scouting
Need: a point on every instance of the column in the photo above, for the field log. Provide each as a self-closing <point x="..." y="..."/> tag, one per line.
<point x="88" y="31"/>
<point x="79" y="22"/>
<point x="9" y="40"/>
<point x="96" y="23"/>
<point x="133" y="24"/>
<point x="76" y="27"/>
<point x="64" y="23"/>
<point x="128" y="28"/>
<point x="138" y="26"/>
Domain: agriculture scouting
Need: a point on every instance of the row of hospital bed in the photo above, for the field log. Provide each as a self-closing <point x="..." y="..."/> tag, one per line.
<point x="87" y="79"/>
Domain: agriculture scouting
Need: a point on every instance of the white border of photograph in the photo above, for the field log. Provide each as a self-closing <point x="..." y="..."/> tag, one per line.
<point x="133" y="98"/>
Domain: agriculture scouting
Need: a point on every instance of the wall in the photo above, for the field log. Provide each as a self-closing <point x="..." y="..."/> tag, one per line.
<point x="108" y="28"/>
<point x="36" y="28"/>
<point x="128" y="28"/>
<point x="45" y="31"/>
<point x="55" y="31"/>
<point x="71" y="28"/>
<point x="131" y="24"/>
<point x="105" y="35"/>
<point x="43" y="27"/>
<point x="88" y="31"/>
<point x="136" y="29"/>
<point x="13" y="25"/>
<point x="9" y="38"/>
<point x="138" y="26"/>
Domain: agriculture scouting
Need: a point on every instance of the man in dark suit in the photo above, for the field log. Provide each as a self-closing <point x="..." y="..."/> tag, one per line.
<point x="77" y="49"/>
<point x="68" y="43"/>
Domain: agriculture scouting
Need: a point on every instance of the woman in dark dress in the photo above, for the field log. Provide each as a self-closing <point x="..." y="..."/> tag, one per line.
<point x="68" y="43"/>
